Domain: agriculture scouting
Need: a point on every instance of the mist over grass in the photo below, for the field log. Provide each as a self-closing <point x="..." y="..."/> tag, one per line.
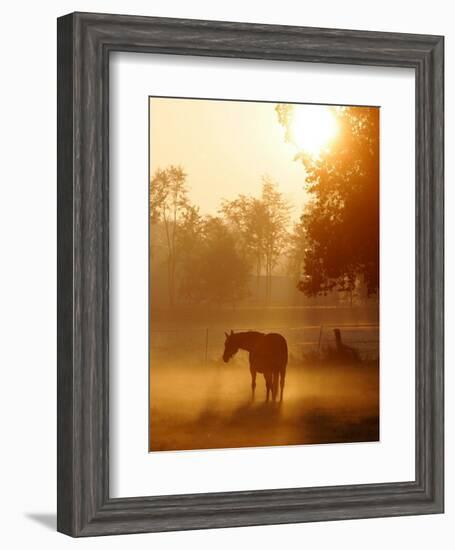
<point x="199" y="402"/>
<point x="202" y="406"/>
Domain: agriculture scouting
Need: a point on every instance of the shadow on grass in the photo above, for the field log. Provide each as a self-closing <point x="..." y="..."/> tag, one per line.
<point x="272" y="424"/>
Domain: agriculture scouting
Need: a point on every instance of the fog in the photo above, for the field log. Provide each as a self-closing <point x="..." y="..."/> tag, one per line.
<point x="263" y="217"/>
<point x="199" y="402"/>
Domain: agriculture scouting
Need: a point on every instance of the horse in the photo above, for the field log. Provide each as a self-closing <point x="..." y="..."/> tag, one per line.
<point x="268" y="354"/>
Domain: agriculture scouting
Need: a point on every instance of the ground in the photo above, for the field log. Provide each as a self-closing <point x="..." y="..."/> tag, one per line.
<point x="199" y="402"/>
<point x="211" y="407"/>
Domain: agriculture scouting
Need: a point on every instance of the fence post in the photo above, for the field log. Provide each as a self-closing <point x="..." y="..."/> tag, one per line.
<point x="321" y="328"/>
<point x="206" y="343"/>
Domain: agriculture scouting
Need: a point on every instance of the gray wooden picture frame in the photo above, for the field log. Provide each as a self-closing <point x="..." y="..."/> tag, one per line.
<point x="85" y="41"/>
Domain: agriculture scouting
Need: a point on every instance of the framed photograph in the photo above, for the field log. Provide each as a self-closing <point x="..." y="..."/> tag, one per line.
<point x="250" y="274"/>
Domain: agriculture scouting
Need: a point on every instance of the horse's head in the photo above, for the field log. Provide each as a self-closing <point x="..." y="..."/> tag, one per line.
<point x="230" y="346"/>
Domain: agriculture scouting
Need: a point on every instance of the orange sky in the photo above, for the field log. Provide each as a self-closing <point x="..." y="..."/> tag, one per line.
<point x="224" y="147"/>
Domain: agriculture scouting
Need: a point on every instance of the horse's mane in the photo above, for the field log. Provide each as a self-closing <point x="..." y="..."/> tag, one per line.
<point x="249" y="334"/>
<point x="255" y="333"/>
<point x="247" y="337"/>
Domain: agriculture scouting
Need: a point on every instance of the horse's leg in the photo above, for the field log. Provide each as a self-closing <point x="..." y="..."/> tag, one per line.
<point x="282" y="379"/>
<point x="275" y="375"/>
<point x="253" y="381"/>
<point x="268" y="385"/>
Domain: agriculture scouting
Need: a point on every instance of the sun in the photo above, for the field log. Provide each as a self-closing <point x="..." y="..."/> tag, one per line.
<point x="313" y="127"/>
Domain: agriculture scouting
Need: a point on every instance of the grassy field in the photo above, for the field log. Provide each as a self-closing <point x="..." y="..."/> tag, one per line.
<point x="210" y="406"/>
<point x="199" y="332"/>
<point x="199" y="402"/>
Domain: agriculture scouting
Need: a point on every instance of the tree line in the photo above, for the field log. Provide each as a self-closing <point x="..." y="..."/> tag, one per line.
<point x="333" y="246"/>
<point x="210" y="259"/>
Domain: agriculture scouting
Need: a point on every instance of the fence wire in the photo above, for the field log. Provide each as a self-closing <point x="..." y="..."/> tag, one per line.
<point x="205" y="343"/>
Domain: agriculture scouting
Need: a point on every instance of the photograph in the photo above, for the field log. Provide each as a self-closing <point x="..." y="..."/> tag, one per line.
<point x="263" y="273"/>
<point x="223" y="275"/>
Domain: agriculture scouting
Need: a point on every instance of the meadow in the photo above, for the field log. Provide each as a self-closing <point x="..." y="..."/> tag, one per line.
<point x="199" y="402"/>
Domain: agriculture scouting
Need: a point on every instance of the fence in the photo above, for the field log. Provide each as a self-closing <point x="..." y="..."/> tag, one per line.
<point x="206" y="344"/>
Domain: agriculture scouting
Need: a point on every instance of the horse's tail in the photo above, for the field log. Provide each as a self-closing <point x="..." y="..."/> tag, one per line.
<point x="283" y="369"/>
<point x="275" y="381"/>
<point x="282" y="352"/>
<point x="282" y="381"/>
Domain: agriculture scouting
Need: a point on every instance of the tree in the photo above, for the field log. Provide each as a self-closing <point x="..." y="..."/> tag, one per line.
<point x="216" y="273"/>
<point x="340" y="226"/>
<point x="261" y="225"/>
<point x="276" y="220"/>
<point x="189" y="242"/>
<point x="296" y="251"/>
<point x="168" y="206"/>
<point x="245" y="216"/>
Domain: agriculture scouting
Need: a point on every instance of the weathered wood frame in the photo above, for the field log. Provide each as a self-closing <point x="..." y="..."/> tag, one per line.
<point x="84" y="43"/>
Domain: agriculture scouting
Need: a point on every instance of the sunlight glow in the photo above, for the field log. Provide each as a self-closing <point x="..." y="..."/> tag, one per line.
<point x="313" y="127"/>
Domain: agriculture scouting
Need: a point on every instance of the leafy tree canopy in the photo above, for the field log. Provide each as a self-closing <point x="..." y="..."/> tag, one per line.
<point x="339" y="229"/>
<point x="215" y="272"/>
